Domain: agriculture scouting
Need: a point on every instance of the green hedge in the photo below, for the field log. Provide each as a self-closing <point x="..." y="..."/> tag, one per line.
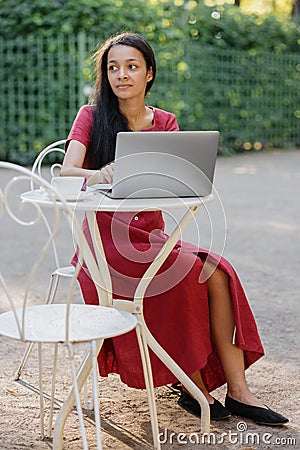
<point x="252" y="97"/>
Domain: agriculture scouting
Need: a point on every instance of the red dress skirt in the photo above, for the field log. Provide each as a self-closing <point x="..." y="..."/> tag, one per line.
<point x="176" y="307"/>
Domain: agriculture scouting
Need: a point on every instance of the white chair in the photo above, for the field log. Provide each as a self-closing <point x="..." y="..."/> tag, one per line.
<point x="56" y="323"/>
<point x="55" y="151"/>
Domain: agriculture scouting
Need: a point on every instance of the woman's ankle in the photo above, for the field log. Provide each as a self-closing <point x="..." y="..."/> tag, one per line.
<point x="244" y="396"/>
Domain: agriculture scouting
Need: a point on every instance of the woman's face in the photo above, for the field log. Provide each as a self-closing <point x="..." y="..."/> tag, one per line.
<point x="127" y="72"/>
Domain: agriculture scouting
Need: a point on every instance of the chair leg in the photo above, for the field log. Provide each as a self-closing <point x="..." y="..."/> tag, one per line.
<point x="23" y="361"/>
<point x="53" y="285"/>
<point x="94" y="352"/>
<point x="88" y="402"/>
<point x="82" y="374"/>
<point x="53" y="389"/>
<point x="77" y="397"/>
<point x="41" y="388"/>
<point x="149" y="384"/>
<point x="54" y="280"/>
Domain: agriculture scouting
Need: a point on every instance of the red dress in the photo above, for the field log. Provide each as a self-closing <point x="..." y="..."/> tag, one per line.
<point x="176" y="304"/>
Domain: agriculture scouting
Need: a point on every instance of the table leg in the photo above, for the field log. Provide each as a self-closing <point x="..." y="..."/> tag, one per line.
<point x="152" y="343"/>
<point x="180" y="375"/>
<point x="161" y="258"/>
<point x="68" y="404"/>
<point x="101" y="275"/>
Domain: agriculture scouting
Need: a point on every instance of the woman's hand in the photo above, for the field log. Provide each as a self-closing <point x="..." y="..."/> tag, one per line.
<point x="103" y="175"/>
<point x="74" y="160"/>
<point x="107" y="173"/>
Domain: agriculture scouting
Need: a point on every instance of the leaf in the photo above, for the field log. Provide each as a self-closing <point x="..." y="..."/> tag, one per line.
<point x="12" y="392"/>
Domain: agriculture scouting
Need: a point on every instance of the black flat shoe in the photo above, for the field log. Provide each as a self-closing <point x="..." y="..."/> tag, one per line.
<point x="177" y="386"/>
<point x="261" y="416"/>
<point x="217" y="410"/>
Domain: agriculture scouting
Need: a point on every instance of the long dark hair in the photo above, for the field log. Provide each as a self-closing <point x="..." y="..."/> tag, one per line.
<point x="107" y="119"/>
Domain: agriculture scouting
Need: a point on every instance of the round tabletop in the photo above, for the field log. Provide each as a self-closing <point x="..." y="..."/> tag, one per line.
<point x="93" y="200"/>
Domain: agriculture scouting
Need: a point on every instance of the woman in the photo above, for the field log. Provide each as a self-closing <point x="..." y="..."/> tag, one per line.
<point x="207" y="328"/>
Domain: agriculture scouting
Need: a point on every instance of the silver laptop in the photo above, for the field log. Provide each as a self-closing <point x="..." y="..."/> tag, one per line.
<point x="164" y="164"/>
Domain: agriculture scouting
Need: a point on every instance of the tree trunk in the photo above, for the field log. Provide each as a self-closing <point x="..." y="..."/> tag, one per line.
<point x="296" y="8"/>
<point x="237" y="2"/>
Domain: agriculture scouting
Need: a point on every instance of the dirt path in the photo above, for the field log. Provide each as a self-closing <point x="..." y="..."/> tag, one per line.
<point x="260" y="194"/>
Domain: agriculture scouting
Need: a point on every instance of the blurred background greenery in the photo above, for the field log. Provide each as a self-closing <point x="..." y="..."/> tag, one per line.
<point x="232" y="66"/>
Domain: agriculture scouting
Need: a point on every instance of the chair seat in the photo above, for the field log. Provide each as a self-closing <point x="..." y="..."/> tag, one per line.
<point x="67" y="271"/>
<point x="47" y="323"/>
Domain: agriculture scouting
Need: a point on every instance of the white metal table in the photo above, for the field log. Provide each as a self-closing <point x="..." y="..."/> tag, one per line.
<point x="91" y="202"/>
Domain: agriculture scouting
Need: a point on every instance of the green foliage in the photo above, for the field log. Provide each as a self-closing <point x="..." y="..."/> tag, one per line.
<point x="159" y="20"/>
<point x="217" y="69"/>
<point x="48" y="18"/>
<point x="253" y="99"/>
<point x="227" y="27"/>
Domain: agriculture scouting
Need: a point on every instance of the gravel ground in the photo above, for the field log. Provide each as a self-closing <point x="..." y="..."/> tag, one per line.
<point x="260" y="196"/>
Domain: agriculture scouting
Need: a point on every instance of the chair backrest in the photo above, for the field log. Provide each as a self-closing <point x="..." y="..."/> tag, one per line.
<point x="14" y="180"/>
<point x="56" y="152"/>
<point x="56" y="148"/>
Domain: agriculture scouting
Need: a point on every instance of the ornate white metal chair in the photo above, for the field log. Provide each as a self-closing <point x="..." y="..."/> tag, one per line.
<point x="56" y="151"/>
<point x="56" y="323"/>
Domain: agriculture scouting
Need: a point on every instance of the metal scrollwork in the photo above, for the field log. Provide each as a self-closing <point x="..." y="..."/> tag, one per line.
<point x="6" y="203"/>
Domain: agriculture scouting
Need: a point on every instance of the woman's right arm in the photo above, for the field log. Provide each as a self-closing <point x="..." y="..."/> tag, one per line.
<point x="73" y="162"/>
